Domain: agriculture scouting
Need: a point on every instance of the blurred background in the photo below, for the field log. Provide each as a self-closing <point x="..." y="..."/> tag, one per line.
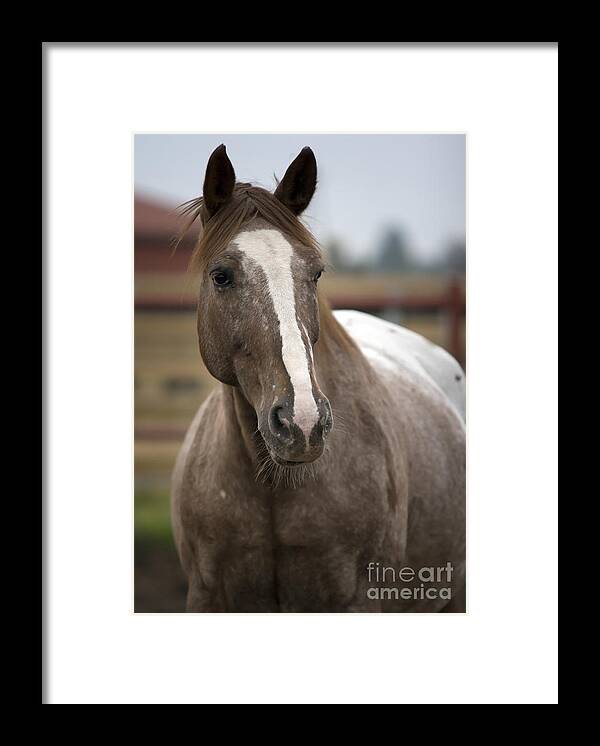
<point x="389" y="213"/>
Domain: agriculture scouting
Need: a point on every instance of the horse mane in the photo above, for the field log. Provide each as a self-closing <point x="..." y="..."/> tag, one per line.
<point x="248" y="203"/>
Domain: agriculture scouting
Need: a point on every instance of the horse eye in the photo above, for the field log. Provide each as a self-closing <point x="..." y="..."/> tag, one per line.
<point x="317" y="276"/>
<point x="222" y="279"/>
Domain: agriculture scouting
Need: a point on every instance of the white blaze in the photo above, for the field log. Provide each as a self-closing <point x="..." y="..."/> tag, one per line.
<point x="270" y="250"/>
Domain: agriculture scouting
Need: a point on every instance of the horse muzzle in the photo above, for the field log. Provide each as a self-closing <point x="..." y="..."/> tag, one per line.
<point x="290" y="445"/>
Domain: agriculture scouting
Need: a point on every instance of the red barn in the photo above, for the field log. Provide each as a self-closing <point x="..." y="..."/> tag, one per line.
<point x="155" y="227"/>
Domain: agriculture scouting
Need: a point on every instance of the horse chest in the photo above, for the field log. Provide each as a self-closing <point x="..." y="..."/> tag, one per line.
<point x="320" y="547"/>
<point x="297" y="551"/>
<point x="301" y="549"/>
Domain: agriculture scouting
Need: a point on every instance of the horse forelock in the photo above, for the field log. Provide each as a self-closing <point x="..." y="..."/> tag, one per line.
<point x="247" y="204"/>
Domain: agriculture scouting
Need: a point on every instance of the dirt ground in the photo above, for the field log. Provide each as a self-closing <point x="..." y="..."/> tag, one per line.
<point x="159" y="582"/>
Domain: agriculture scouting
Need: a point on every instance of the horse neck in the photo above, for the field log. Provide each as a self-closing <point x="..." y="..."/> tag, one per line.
<point x="341" y="368"/>
<point x="242" y="423"/>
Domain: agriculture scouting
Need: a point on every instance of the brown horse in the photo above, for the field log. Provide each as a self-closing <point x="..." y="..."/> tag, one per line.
<point x="327" y="471"/>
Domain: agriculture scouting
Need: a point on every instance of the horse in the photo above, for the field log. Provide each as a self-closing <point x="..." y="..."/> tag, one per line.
<point x="333" y="449"/>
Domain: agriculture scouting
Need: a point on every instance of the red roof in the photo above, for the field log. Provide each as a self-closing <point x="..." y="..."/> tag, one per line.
<point x="157" y="221"/>
<point x="156" y="225"/>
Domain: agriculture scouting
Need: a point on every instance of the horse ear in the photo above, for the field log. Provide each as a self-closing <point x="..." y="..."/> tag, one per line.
<point x="297" y="187"/>
<point x="218" y="181"/>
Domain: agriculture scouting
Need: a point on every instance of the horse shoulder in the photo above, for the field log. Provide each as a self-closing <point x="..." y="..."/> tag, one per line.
<point x="219" y="515"/>
<point x="393" y="348"/>
<point x="186" y="487"/>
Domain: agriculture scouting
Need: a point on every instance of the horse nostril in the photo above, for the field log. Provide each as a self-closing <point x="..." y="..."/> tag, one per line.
<point x="279" y="423"/>
<point x="325" y="420"/>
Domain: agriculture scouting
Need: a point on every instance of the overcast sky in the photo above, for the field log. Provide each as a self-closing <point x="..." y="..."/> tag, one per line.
<point x="367" y="183"/>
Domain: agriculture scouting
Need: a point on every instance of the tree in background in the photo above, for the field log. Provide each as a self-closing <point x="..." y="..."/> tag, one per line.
<point x="336" y="255"/>
<point x="455" y="259"/>
<point x="393" y="254"/>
